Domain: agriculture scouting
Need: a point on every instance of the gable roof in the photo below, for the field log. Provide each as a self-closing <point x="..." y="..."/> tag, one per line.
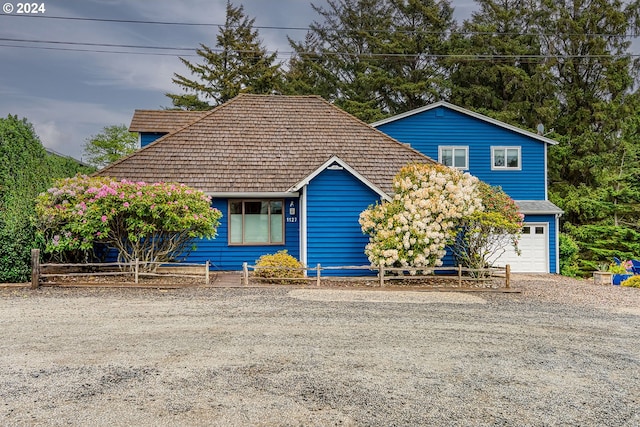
<point x="266" y="144"/>
<point x="336" y="163"/>
<point x="163" y="121"/>
<point x="468" y="113"/>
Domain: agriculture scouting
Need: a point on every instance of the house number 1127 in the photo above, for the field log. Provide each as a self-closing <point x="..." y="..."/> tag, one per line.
<point x="292" y="219"/>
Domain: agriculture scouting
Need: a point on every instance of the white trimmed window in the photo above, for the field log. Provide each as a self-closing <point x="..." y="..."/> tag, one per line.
<point x="456" y="157"/>
<point x="256" y="222"/>
<point x="506" y="158"/>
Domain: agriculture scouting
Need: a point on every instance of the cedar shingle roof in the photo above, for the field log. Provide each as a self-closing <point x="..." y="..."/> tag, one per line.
<point x="164" y="121"/>
<point x="266" y="143"/>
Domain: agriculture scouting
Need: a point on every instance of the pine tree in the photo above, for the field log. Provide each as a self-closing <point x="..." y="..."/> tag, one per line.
<point x="497" y="68"/>
<point x="420" y="36"/>
<point x="238" y="64"/>
<point x="374" y="58"/>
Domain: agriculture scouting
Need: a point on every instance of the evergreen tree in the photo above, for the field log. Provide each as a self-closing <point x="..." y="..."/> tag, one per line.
<point x="339" y="52"/>
<point x="594" y="170"/>
<point x="586" y="44"/>
<point x="374" y="57"/>
<point x="588" y="52"/>
<point x="497" y="66"/>
<point x="239" y="63"/>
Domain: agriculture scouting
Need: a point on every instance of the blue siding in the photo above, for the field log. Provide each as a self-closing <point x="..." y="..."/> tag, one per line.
<point x="147" y="138"/>
<point x="444" y="127"/>
<point x="230" y="258"/>
<point x="335" y="199"/>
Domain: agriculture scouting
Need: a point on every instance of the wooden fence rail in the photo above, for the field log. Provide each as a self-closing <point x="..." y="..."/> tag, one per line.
<point x="39" y="270"/>
<point x="459" y="272"/>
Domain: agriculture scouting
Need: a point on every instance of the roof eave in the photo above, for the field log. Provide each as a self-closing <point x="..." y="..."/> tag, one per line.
<point x="253" y="194"/>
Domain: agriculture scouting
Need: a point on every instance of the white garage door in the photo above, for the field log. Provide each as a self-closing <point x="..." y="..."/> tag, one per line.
<point x="534" y="257"/>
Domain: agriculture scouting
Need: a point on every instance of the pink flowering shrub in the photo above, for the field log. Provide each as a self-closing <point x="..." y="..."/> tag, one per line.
<point x="414" y="228"/>
<point x="151" y="222"/>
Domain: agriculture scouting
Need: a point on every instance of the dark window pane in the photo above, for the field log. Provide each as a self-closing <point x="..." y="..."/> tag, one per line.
<point x="513" y="159"/>
<point x="447" y="157"/>
<point x="498" y="158"/>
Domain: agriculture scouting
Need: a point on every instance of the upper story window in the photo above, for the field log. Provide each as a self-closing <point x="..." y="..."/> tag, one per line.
<point x="256" y="222"/>
<point x="457" y="157"/>
<point x="506" y="158"/>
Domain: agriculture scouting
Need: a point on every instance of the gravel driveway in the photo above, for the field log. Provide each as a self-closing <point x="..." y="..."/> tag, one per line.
<point x="559" y="353"/>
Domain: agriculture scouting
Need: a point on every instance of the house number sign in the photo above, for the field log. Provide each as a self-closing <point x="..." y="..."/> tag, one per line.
<point x="292" y="213"/>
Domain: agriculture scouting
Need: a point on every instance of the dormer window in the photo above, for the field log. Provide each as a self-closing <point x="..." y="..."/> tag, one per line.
<point x="454" y="156"/>
<point x="506" y="158"/>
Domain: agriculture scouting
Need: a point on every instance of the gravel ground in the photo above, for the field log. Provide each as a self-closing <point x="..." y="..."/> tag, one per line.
<point x="561" y="352"/>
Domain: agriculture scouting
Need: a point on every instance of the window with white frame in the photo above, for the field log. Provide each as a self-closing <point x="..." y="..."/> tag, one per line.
<point x="457" y="157"/>
<point x="506" y="158"/>
<point x="256" y="222"/>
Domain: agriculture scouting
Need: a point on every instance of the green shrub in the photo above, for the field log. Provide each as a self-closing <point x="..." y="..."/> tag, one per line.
<point x="632" y="282"/>
<point x="568" y="256"/>
<point x="278" y="267"/>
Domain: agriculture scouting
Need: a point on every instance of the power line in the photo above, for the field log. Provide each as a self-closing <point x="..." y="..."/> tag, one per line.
<point x="97" y="51"/>
<point x="313" y="55"/>
<point x="372" y="31"/>
<point x="95" y="44"/>
<point x="135" y="21"/>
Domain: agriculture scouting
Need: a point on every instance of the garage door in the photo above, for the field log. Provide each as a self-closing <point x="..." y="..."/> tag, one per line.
<point x="534" y="257"/>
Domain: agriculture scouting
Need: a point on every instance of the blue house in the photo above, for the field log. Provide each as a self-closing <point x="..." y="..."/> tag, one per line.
<point x="500" y="155"/>
<point x="286" y="172"/>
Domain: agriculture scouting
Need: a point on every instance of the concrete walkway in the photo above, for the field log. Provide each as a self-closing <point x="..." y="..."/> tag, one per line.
<point x="226" y="279"/>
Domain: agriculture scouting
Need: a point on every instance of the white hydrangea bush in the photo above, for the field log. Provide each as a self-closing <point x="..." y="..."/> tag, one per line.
<point x="414" y="228"/>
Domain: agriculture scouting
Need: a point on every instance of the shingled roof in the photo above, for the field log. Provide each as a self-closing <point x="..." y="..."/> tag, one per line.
<point x="164" y="121"/>
<point x="266" y="143"/>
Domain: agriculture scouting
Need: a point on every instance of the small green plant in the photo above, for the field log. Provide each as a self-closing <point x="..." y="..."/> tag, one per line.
<point x="618" y="269"/>
<point x="632" y="282"/>
<point x="279" y="267"/>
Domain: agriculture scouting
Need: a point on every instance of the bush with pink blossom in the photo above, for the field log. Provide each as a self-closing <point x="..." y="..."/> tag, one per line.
<point x="151" y="222"/>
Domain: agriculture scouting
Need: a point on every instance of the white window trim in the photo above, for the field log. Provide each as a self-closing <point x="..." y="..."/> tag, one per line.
<point x="505" y="167"/>
<point x="455" y="147"/>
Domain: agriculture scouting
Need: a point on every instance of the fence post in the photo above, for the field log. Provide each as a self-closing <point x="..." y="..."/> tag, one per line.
<point x="460" y="275"/>
<point x="136" y="270"/>
<point x="206" y="272"/>
<point x="318" y="275"/>
<point x="35" y="268"/>
<point x="245" y="274"/>
<point x="507" y="276"/>
<point x="381" y="275"/>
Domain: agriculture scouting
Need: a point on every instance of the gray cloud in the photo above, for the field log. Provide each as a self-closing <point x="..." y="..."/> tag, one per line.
<point x="71" y="95"/>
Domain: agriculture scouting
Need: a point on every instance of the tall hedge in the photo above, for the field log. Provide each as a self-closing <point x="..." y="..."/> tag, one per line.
<point x="25" y="170"/>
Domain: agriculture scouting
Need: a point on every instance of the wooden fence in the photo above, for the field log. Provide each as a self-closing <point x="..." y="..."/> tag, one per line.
<point x="458" y="273"/>
<point x="133" y="269"/>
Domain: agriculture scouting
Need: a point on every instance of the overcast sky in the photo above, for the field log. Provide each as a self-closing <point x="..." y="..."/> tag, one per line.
<point x="69" y="92"/>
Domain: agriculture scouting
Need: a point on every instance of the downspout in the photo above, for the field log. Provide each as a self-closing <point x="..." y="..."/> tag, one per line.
<point x="303" y="227"/>
<point x="557" y="243"/>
